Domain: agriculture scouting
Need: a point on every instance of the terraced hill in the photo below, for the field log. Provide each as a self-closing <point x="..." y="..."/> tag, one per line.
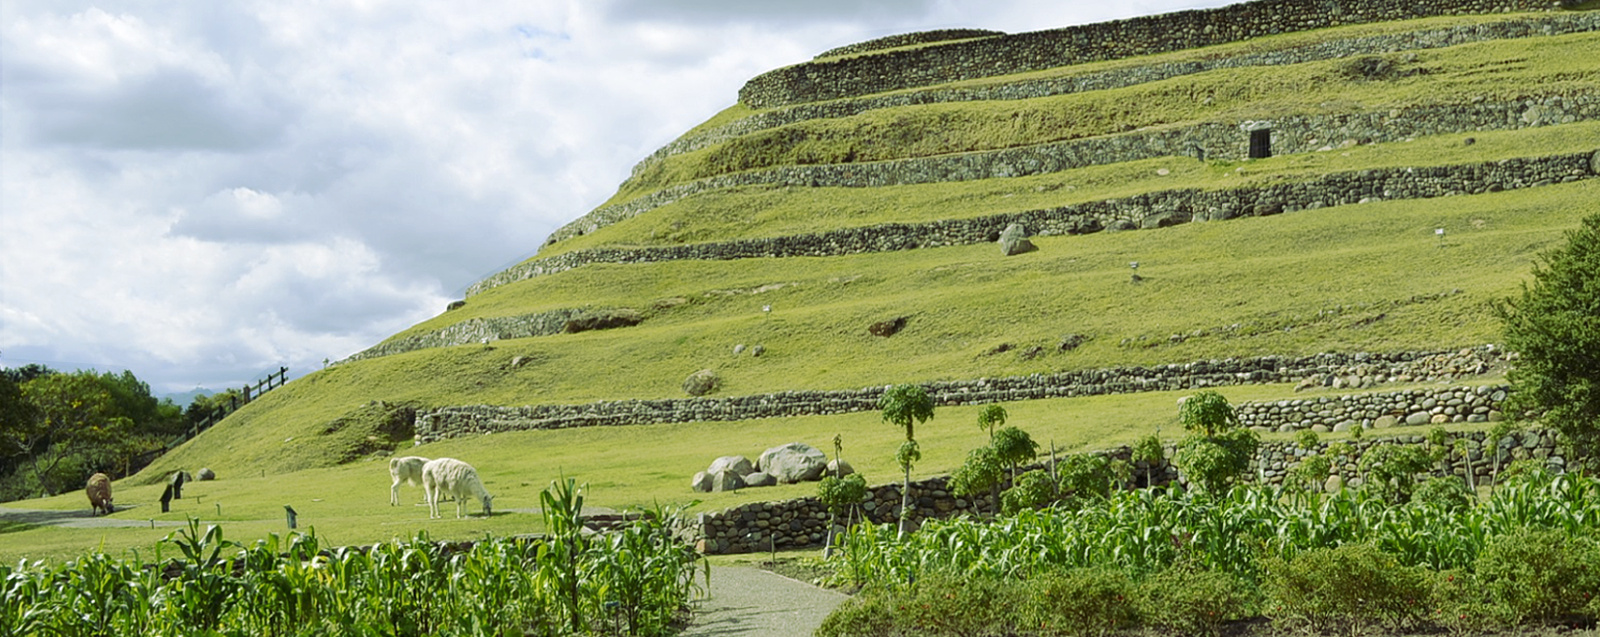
<point x="1421" y="155"/>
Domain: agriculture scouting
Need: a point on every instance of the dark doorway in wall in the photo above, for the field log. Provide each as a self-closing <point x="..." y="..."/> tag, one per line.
<point x="1261" y="143"/>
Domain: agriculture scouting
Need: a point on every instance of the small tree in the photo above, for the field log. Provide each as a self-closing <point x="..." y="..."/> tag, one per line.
<point x="1086" y="477"/>
<point x="1030" y="490"/>
<point x="992" y="416"/>
<point x="1217" y="450"/>
<point x="981" y="472"/>
<point x="905" y="406"/>
<point x="1498" y="432"/>
<point x="1391" y="470"/>
<point x="1013" y="447"/>
<point x="1312" y="471"/>
<point x="1149" y="451"/>
<point x="1555" y="329"/>
<point x="840" y="495"/>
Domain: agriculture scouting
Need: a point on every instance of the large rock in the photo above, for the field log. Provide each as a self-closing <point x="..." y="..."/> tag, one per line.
<point x="701" y="482"/>
<point x="736" y="464"/>
<point x="793" y="462"/>
<point x="1014" y="240"/>
<point x="839" y="468"/>
<point x="759" y="479"/>
<point x="726" y="481"/>
<point x="206" y="473"/>
<point x="700" y="383"/>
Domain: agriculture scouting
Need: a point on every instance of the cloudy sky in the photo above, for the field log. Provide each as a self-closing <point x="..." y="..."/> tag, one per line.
<point x="202" y="191"/>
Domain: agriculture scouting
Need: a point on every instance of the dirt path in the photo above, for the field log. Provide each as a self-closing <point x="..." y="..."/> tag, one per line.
<point x="751" y="602"/>
<point x="76" y="518"/>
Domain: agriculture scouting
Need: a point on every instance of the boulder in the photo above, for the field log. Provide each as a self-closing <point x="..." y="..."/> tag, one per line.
<point x="1014" y="240"/>
<point x="793" y="462"/>
<point x="1419" y="418"/>
<point x="726" y="481"/>
<point x="837" y="467"/>
<point x="1385" y="422"/>
<point x="1120" y="225"/>
<point x="759" y="479"/>
<point x="605" y="320"/>
<point x="206" y="473"/>
<point x="700" y="383"/>
<point x="736" y="464"/>
<point x="701" y="482"/>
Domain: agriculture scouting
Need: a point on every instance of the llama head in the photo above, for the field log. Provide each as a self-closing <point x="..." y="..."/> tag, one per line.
<point x="488" y="500"/>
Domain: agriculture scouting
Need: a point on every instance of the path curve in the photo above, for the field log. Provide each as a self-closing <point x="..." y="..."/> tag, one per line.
<point x="750" y="602"/>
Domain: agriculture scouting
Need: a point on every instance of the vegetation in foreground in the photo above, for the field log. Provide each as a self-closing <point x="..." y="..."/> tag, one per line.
<point x="1354" y="563"/>
<point x="634" y="581"/>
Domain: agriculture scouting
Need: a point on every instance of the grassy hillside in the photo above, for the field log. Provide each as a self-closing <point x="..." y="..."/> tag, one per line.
<point x="1370" y="277"/>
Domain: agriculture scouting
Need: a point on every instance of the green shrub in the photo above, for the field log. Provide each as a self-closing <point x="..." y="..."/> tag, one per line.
<point x="1463" y="606"/>
<point x="1082" y="601"/>
<point x="940" y="604"/>
<point x="1351" y="587"/>
<point x="1193" y="601"/>
<point x="1448" y="494"/>
<point x="1031" y="490"/>
<point x="1543" y="576"/>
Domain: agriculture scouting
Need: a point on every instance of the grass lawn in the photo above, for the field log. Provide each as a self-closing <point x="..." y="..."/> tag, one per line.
<point x="624" y="468"/>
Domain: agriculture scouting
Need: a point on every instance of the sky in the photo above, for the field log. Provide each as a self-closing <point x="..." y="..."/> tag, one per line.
<point x="201" y="192"/>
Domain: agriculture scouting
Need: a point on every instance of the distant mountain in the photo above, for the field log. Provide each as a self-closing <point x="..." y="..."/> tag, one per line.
<point x="184" y="398"/>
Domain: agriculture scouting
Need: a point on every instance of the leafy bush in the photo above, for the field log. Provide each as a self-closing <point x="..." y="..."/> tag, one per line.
<point x="1082" y="601"/>
<point x="1031" y="490"/>
<point x="1391" y="470"/>
<point x="1353" y="587"/>
<point x="1448" y="493"/>
<point x="1192" y="600"/>
<point x="941" y="604"/>
<point x="1543" y="575"/>
<point x="1085" y="476"/>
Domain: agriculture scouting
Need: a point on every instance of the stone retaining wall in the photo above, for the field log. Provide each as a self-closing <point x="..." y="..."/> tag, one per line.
<point x="803" y="522"/>
<point x="1218" y="140"/>
<point x="1374" y="370"/>
<point x="907" y="39"/>
<point x="820" y="80"/>
<point x="476" y="330"/>
<point x="1513" y="28"/>
<point x="1156" y="209"/>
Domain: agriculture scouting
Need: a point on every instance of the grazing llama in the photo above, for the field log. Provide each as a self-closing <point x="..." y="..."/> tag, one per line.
<point x="457" y="478"/>
<point x="406" y="470"/>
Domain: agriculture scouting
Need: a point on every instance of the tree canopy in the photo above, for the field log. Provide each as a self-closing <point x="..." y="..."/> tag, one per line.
<point x="1554" y="327"/>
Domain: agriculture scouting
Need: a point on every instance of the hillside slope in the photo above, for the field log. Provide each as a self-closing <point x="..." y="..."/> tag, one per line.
<point x="797" y="226"/>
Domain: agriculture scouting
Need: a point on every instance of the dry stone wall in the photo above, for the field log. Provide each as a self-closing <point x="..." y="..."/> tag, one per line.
<point x="1511" y="28"/>
<point x="1216" y="140"/>
<point x="1375" y="370"/>
<point x="1024" y="52"/>
<point x="476" y="330"/>
<point x="907" y="39"/>
<point x="1156" y="209"/>
<point x="1376" y="410"/>
<point x="803" y="522"/>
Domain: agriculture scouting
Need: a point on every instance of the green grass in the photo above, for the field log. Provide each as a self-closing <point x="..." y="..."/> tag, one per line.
<point x="755" y="212"/>
<point x="1494" y="70"/>
<point x="624" y="467"/>
<point x="1298" y="283"/>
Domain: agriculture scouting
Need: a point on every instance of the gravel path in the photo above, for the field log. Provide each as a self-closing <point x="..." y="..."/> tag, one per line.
<point x="754" y="603"/>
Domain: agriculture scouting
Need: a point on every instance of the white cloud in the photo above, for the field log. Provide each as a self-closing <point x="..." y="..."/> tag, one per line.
<point x="202" y="191"/>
